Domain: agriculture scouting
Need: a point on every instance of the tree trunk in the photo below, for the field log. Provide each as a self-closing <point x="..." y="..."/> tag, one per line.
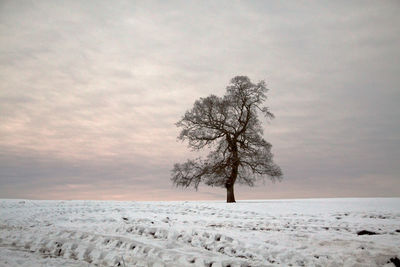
<point x="230" y="195"/>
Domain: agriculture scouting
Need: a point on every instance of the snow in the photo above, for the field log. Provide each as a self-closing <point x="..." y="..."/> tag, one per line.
<point x="302" y="232"/>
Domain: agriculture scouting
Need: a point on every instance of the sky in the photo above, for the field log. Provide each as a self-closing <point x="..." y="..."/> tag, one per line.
<point x="90" y="92"/>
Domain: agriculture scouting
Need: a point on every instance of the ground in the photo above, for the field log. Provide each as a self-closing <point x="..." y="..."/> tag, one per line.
<point x="309" y="232"/>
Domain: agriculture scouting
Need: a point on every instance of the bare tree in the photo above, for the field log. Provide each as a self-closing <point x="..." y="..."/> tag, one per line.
<point x="230" y="127"/>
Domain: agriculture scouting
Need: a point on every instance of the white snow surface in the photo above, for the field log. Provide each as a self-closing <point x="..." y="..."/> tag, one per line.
<point x="298" y="232"/>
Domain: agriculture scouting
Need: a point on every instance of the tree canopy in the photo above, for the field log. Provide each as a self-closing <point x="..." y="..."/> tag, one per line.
<point x="229" y="126"/>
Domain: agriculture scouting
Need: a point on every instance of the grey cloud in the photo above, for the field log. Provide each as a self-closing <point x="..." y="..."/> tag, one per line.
<point x="104" y="84"/>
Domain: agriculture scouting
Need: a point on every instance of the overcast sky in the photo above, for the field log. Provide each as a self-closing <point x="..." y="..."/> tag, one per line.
<point x="90" y="92"/>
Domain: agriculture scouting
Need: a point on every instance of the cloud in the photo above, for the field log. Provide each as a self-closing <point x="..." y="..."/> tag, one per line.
<point x="90" y="92"/>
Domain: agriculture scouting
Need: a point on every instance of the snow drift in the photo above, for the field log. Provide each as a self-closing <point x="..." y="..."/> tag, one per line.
<point x="310" y="232"/>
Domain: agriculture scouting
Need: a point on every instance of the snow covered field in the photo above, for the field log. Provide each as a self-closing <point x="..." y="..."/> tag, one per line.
<point x="310" y="232"/>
